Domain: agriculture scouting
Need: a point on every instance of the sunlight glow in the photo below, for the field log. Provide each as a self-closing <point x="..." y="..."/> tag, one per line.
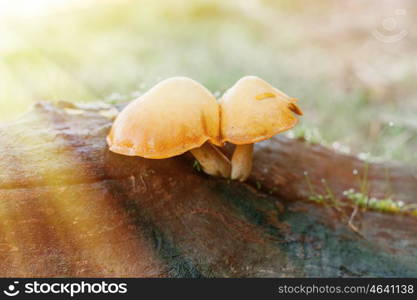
<point x="16" y="9"/>
<point x="104" y="242"/>
<point x="29" y="8"/>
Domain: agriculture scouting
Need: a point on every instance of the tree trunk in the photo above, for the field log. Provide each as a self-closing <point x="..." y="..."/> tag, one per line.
<point x="69" y="207"/>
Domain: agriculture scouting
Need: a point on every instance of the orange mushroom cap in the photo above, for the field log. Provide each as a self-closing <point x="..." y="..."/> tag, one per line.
<point x="176" y="115"/>
<point x="253" y="110"/>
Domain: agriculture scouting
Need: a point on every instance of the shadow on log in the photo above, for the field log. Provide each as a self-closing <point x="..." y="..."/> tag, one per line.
<point x="69" y="207"/>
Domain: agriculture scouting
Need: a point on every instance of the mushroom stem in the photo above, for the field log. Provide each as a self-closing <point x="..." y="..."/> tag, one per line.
<point x="242" y="162"/>
<point x="213" y="161"/>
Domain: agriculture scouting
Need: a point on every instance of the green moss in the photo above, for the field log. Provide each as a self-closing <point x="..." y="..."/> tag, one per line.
<point x="197" y="166"/>
<point x="317" y="198"/>
<point x="383" y="205"/>
<point x="362" y="200"/>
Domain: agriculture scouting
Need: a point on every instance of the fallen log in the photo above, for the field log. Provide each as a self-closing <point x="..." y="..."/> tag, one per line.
<point x="69" y="207"/>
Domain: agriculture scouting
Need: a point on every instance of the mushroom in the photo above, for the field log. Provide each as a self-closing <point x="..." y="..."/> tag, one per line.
<point x="251" y="111"/>
<point x="175" y="116"/>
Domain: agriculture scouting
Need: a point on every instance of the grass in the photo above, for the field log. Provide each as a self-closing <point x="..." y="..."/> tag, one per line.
<point x="309" y="134"/>
<point x="116" y="50"/>
<point x="328" y="198"/>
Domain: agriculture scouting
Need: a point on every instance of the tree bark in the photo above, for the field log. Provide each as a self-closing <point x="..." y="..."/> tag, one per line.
<point x="69" y="207"/>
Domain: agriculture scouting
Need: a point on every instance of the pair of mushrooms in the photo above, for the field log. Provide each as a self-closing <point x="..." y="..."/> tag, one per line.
<point x="179" y="115"/>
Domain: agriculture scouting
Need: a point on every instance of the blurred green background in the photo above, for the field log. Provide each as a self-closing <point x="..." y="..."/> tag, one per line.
<point x="352" y="63"/>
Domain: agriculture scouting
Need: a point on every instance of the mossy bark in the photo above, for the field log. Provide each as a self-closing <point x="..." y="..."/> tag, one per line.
<point x="69" y="207"/>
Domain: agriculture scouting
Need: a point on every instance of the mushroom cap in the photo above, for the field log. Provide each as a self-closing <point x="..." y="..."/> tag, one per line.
<point x="253" y="110"/>
<point x="176" y="115"/>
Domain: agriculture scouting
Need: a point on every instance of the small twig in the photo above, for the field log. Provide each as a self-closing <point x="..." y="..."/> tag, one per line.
<point x="144" y="183"/>
<point x="350" y="222"/>
<point x="310" y="186"/>
<point x="133" y="181"/>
